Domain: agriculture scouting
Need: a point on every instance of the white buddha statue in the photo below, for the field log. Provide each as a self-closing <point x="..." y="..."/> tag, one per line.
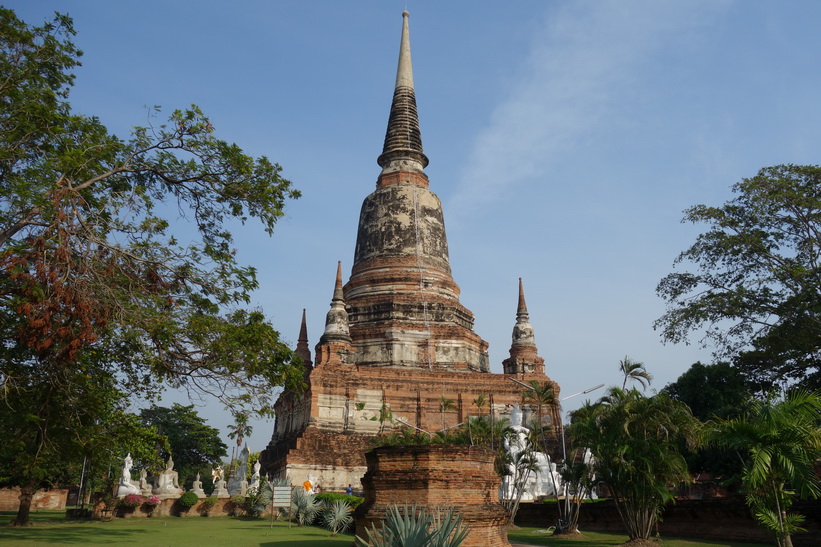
<point x="168" y="483"/>
<point x="127" y="485"/>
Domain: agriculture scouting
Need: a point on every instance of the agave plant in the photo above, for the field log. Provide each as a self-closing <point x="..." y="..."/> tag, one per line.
<point x="415" y="527"/>
<point x="450" y="532"/>
<point x="336" y="516"/>
<point x="304" y="506"/>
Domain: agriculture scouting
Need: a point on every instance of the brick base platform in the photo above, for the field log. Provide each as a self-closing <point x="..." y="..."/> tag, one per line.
<point x="436" y="476"/>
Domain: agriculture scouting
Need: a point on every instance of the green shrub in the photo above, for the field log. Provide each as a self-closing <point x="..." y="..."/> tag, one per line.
<point x="188" y="500"/>
<point x="328" y="498"/>
<point x="237" y="505"/>
<point x="255" y="502"/>
<point x="209" y="502"/>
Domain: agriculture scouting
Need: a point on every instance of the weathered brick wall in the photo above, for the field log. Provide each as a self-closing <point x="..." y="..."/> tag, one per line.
<point x="52" y="500"/>
<point x="346" y="401"/>
<point x="412" y="394"/>
<point x="436" y="476"/>
<point x="723" y="519"/>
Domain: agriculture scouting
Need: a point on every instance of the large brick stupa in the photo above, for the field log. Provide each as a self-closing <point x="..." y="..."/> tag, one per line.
<point x="397" y="342"/>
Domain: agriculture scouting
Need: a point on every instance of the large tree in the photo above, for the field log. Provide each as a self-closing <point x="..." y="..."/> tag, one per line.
<point x="780" y="444"/>
<point x="194" y="445"/>
<point x="59" y="430"/>
<point x="713" y="391"/>
<point x="93" y="278"/>
<point x="635" y="441"/>
<point x="756" y="288"/>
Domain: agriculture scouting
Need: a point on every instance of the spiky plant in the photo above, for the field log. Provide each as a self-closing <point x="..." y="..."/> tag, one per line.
<point x="415" y="527"/>
<point x="336" y="516"/>
<point x="450" y="532"/>
<point x="304" y="506"/>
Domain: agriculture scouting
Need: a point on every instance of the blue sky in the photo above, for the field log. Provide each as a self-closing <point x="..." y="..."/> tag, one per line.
<point x="565" y="139"/>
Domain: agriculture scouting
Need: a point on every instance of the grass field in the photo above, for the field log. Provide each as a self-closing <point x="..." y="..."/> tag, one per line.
<point x="51" y="528"/>
<point x="531" y="536"/>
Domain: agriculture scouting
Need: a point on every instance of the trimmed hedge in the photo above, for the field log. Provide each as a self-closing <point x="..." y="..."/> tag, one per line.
<point x="327" y="498"/>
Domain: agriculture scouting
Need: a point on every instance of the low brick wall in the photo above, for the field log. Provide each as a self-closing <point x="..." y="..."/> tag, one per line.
<point x="170" y="508"/>
<point x="720" y="519"/>
<point x="435" y="476"/>
<point x="47" y="500"/>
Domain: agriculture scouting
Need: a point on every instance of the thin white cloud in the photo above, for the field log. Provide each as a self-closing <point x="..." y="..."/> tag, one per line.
<point x="579" y="67"/>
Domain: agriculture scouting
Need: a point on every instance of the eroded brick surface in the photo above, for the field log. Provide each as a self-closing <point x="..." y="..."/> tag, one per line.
<point x="436" y="476"/>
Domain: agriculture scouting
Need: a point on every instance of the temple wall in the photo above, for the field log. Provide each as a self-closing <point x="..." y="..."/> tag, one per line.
<point x="52" y="500"/>
<point x="353" y="404"/>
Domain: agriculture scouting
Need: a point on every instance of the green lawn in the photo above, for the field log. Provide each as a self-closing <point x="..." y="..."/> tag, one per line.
<point x="51" y="528"/>
<point x="532" y="536"/>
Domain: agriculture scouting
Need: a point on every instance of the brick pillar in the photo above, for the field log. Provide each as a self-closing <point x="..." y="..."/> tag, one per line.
<point x="436" y="476"/>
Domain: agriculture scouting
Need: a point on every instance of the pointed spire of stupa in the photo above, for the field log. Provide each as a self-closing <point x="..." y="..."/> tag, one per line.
<point x="302" y="349"/>
<point x="523" y="330"/>
<point x="403" y="140"/>
<point x="524" y="357"/>
<point x="336" y="322"/>
<point x="521" y="311"/>
<point x="303" y="331"/>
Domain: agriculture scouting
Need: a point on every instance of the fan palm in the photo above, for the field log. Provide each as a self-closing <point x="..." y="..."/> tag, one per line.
<point x="336" y="516"/>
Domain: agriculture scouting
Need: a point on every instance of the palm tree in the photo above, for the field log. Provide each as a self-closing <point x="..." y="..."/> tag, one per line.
<point x="480" y="402"/>
<point x="779" y="442"/>
<point x="239" y="430"/>
<point x="634" y="372"/>
<point x="444" y="406"/>
<point x="636" y="441"/>
<point x="543" y="395"/>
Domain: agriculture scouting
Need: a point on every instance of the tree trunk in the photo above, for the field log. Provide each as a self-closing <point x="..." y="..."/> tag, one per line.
<point x="787" y="538"/>
<point x="26" y="497"/>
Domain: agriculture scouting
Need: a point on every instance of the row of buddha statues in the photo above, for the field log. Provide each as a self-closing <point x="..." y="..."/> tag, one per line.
<point x="166" y="484"/>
